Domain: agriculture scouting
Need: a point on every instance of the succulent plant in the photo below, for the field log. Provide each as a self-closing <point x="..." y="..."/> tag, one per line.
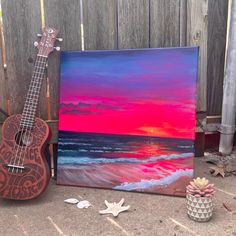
<point x="200" y="187"/>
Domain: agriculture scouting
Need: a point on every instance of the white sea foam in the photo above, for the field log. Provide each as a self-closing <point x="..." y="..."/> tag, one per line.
<point x="65" y="160"/>
<point x="191" y="146"/>
<point x="144" y="184"/>
<point x="74" y="143"/>
<point x="171" y="156"/>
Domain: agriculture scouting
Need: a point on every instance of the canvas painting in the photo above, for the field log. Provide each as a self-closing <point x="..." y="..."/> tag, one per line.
<point x="127" y="119"/>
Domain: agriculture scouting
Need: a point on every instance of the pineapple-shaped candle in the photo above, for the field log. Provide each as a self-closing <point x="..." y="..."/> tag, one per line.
<point x="199" y="199"/>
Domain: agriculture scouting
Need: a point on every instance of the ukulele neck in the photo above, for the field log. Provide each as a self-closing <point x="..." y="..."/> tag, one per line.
<point x="32" y="98"/>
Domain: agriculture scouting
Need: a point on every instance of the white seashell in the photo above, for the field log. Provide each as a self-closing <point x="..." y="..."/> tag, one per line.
<point x="83" y="204"/>
<point x="71" y="201"/>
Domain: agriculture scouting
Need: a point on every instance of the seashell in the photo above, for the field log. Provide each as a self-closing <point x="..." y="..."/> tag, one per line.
<point x="71" y="201"/>
<point x="83" y="204"/>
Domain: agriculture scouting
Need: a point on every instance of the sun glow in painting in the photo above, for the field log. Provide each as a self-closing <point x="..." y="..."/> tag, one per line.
<point x="127" y="119"/>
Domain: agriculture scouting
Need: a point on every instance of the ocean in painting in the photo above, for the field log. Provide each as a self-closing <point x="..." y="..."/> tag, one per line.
<point x="125" y="162"/>
<point x="127" y="119"/>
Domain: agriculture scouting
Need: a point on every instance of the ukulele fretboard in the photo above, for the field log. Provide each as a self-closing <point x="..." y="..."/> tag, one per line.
<point x="32" y="98"/>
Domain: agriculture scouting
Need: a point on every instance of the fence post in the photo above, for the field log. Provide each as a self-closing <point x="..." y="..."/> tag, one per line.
<point x="229" y="98"/>
<point x="197" y="35"/>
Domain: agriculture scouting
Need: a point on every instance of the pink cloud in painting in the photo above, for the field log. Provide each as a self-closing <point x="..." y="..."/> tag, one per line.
<point x="136" y="92"/>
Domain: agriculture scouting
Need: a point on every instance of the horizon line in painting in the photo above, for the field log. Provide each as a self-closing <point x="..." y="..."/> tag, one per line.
<point x="127" y="119"/>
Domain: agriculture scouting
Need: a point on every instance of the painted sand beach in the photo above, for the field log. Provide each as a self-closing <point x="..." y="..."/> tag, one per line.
<point x="125" y="162"/>
<point x="127" y="119"/>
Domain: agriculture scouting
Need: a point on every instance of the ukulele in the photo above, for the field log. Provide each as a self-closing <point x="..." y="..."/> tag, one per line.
<point x="24" y="172"/>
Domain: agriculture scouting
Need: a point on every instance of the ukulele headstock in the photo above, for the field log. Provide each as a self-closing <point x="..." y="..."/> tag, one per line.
<point x="47" y="41"/>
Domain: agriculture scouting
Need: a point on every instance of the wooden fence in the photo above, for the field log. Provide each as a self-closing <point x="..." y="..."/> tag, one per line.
<point x="109" y="24"/>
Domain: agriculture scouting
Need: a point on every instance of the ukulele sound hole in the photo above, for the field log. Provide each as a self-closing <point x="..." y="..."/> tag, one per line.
<point x="24" y="138"/>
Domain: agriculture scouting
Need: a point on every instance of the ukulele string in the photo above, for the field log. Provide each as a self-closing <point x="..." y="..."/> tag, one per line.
<point x="41" y="71"/>
<point x="18" y="138"/>
<point x="27" y="132"/>
<point x="24" y="127"/>
<point x="37" y="85"/>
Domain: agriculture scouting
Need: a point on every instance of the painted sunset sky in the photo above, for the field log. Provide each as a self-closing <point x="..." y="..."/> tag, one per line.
<point x="148" y="92"/>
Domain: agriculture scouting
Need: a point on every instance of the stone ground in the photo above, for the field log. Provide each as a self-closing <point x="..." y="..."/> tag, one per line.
<point x="150" y="214"/>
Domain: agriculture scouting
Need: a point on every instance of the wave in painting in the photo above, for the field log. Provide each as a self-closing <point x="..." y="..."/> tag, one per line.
<point x="125" y="162"/>
<point x="70" y="160"/>
<point x="143" y="184"/>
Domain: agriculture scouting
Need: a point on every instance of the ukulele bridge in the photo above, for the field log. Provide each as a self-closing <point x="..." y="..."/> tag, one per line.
<point x="16" y="168"/>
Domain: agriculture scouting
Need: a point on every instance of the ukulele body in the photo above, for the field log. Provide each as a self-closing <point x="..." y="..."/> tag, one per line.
<point x="24" y="149"/>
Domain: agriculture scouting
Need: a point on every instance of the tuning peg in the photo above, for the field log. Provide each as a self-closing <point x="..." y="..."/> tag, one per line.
<point x="36" y="43"/>
<point x="39" y="35"/>
<point x="59" y="39"/>
<point x="57" y="48"/>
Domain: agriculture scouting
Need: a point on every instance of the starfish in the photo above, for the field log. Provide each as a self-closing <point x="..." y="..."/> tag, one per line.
<point x="114" y="208"/>
<point x="218" y="170"/>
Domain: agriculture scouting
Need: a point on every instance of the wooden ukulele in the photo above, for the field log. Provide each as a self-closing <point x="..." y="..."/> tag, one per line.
<point x="24" y="172"/>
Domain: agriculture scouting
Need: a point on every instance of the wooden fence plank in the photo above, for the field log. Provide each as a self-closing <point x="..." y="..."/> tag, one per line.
<point x="197" y="28"/>
<point x="65" y="16"/>
<point x="217" y="18"/>
<point x="2" y="96"/>
<point x="183" y="22"/>
<point x="133" y="23"/>
<point x="100" y="24"/>
<point x="164" y="23"/>
<point x="21" y="24"/>
<point x="112" y="24"/>
<point x="2" y="83"/>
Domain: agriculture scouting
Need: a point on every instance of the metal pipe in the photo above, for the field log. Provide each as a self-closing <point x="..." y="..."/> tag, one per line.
<point x="227" y="128"/>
